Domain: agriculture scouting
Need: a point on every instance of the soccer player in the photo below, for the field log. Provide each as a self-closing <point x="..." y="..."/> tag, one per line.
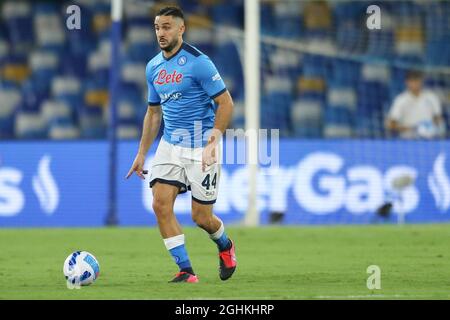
<point x="184" y="87"/>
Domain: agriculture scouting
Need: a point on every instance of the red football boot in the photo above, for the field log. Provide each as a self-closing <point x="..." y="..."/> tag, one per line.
<point x="227" y="262"/>
<point x="185" y="277"/>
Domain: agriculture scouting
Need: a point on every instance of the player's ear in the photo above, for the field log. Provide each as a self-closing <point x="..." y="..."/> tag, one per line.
<point x="182" y="28"/>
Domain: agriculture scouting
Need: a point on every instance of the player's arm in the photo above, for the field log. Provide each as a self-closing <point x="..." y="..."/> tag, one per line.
<point x="211" y="81"/>
<point x="150" y="129"/>
<point x="394" y="125"/>
<point x="224" y="113"/>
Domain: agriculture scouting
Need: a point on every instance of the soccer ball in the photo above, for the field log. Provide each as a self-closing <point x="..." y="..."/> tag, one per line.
<point x="81" y="268"/>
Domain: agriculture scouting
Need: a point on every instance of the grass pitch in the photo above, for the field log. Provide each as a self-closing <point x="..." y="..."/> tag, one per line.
<point x="273" y="263"/>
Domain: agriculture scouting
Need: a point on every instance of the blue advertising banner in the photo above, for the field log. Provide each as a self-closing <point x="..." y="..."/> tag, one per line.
<point x="316" y="182"/>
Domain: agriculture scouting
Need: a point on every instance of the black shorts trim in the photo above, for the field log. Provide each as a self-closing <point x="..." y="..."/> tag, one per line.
<point x="219" y="93"/>
<point x="182" y="186"/>
<point x="204" y="202"/>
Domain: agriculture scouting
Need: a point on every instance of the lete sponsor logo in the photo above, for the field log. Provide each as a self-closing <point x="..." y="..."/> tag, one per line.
<point x="12" y="197"/>
<point x="165" y="78"/>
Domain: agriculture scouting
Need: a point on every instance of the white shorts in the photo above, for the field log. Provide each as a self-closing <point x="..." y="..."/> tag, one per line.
<point x="182" y="167"/>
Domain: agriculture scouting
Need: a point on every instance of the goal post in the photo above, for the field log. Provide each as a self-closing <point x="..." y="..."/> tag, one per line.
<point x="252" y="100"/>
<point x="116" y="26"/>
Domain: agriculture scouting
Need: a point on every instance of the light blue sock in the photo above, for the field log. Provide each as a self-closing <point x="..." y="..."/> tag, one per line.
<point x="221" y="238"/>
<point x="178" y="251"/>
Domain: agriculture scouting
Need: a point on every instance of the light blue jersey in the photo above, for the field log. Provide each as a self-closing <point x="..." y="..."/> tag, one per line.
<point x="184" y="85"/>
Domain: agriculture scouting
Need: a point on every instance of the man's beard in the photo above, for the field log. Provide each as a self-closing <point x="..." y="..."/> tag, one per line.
<point x="170" y="46"/>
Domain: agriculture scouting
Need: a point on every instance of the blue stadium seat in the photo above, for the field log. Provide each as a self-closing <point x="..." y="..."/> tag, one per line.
<point x="44" y="66"/>
<point x="230" y="14"/>
<point x="54" y="112"/>
<point x="92" y="124"/>
<point x="10" y="99"/>
<point x="18" y="22"/>
<point x="380" y="44"/>
<point x="227" y="59"/>
<point x="339" y="115"/>
<point x="306" y="117"/>
<point x="316" y="66"/>
<point x="73" y="64"/>
<point x="344" y="73"/>
<point x="33" y="93"/>
<point x="132" y="90"/>
<point x="141" y="52"/>
<point x="267" y="19"/>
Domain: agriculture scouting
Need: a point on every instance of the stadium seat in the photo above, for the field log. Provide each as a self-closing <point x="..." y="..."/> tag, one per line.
<point x="134" y="72"/>
<point x="279" y="98"/>
<point x="137" y="16"/>
<point x="375" y="72"/>
<point x="228" y="14"/>
<point x="33" y="93"/>
<point x="17" y="18"/>
<point x="14" y="68"/>
<point x="127" y="110"/>
<point x="10" y="98"/>
<point x="338" y="72"/>
<point x="141" y="52"/>
<point x="202" y="38"/>
<point x="128" y="131"/>
<point x="306" y="118"/>
<point x="311" y="88"/>
<point x="343" y="97"/>
<point x="289" y="20"/>
<point x="63" y="131"/>
<point x="92" y="124"/>
<point x="30" y="125"/>
<point x="285" y="63"/>
<point x="54" y="111"/>
<point x="4" y="49"/>
<point x="74" y="64"/>
<point x="44" y="66"/>
<point x="267" y="19"/>
<point x="337" y="131"/>
<point x="344" y="73"/>
<point x="48" y="27"/>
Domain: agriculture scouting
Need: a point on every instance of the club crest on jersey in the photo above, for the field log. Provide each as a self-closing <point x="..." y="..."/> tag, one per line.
<point x="167" y="78"/>
<point x="182" y="60"/>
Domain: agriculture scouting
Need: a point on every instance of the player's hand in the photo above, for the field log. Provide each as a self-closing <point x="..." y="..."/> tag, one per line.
<point x="137" y="167"/>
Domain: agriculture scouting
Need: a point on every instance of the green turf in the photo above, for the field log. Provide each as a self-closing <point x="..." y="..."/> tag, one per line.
<point x="274" y="263"/>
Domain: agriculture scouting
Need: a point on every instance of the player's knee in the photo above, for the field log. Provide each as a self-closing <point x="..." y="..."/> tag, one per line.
<point x="161" y="207"/>
<point x="201" y="218"/>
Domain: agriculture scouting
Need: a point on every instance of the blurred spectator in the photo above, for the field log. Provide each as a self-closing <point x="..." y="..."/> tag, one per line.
<point x="416" y="112"/>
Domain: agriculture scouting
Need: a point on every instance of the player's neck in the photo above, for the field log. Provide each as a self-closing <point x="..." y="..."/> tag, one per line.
<point x="171" y="53"/>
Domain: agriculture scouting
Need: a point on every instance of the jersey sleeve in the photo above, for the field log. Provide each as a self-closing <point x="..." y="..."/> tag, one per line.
<point x="209" y="78"/>
<point x="153" y="97"/>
